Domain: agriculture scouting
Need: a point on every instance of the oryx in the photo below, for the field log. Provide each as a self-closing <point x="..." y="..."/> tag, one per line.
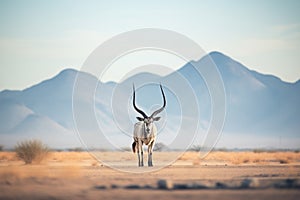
<point x="145" y="131"/>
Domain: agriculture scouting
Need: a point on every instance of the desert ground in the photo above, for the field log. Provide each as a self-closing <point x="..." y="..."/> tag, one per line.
<point x="220" y="175"/>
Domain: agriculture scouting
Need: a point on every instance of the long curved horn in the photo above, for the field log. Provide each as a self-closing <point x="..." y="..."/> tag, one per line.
<point x="164" y="105"/>
<point x="136" y="108"/>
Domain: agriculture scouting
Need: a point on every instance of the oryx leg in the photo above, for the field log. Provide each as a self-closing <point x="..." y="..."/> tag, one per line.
<point x="150" y="150"/>
<point x="140" y="154"/>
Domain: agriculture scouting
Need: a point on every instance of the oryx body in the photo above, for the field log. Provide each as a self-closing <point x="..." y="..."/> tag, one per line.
<point x="145" y="131"/>
<point x="141" y="137"/>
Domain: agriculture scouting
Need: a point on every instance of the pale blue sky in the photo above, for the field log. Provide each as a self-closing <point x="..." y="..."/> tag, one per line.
<point x="40" y="38"/>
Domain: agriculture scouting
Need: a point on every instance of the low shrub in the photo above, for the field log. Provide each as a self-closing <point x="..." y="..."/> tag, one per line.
<point x="31" y="151"/>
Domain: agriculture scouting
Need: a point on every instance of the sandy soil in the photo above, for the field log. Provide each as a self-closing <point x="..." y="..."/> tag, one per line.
<point x="72" y="175"/>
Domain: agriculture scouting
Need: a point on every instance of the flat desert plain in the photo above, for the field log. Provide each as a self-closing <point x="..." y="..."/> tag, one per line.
<point x="220" y="175"/>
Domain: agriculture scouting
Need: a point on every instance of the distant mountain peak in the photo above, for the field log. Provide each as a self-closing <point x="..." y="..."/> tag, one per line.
<point x="216" y="54"/>
<point x="219" y="57"/>
<point x="68" y="71"/>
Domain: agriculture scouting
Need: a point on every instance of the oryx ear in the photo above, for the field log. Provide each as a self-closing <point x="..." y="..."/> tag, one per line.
<point x="140" y="118"/>
<point x="156" y="118"/>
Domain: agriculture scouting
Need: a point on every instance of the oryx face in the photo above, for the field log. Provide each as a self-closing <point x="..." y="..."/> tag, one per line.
<point x="148" y="121"/>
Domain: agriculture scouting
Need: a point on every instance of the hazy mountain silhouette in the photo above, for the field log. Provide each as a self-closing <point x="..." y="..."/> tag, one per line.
<point x="261" y="109"/>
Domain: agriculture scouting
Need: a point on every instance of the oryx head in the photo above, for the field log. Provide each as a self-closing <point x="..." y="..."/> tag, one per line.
<point x="148" y="121"/>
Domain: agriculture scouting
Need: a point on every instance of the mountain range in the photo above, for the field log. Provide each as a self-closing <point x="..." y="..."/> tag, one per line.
<point x="262" y="111"/>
